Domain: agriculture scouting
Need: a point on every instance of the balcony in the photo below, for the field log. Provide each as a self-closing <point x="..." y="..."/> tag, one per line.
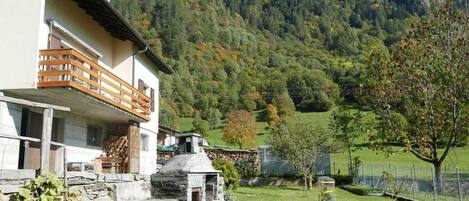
<point x="67" y="68"/>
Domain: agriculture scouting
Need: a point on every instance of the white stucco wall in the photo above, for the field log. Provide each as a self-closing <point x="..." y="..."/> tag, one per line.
<point x="10" y="124"/>
<point x="68" y="14"/>
<point x="144" y="71"/>
<point x="19" y="42"/>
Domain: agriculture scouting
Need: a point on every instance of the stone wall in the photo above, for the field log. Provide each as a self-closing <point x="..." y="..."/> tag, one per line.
<point x="115" y="187"/>
<point x="218" y="154"/>
<point x="170" y="187"/>
<point x="89" y="186"/>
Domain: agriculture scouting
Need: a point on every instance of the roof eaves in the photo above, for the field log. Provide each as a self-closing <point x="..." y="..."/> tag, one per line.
<point x="131" y="33"/>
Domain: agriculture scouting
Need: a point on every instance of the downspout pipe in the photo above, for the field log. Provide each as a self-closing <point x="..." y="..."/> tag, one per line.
<point x="133" y="63"/>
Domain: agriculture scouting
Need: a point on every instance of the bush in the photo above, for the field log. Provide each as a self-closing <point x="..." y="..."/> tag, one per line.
<point x="47" y="187"/>
<point x="246" y="168"/>
<point x="342" y="180"/>
<point x="228" y="172"/>
<point x="319" y="103"/>
<point x="200" y="126"/>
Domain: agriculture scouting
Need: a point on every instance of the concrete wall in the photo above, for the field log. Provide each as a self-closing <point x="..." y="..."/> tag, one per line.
<point x="10" y="124"/>
<point x="19" y="42"/>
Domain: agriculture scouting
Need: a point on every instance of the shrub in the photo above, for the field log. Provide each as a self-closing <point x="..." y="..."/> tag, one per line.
<point x="342" y="179"/>
<point x="228" y="172"/>
<point x="47" y="187"/>
<point x="200" y="126"/>
<point x="246" y="168"/>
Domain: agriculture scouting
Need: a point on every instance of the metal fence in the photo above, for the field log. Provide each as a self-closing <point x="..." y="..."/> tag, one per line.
<point x="270" y="165"/>
<point x="416" y="182"/>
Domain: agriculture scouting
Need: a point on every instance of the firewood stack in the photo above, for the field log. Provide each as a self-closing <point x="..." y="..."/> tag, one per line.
<point x="115" y="157"/>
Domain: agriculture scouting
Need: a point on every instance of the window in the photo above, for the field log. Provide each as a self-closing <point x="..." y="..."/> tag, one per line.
<point x="144" y="88"/>
<point x="94" y="136"/>
<point x="144" y="143"/>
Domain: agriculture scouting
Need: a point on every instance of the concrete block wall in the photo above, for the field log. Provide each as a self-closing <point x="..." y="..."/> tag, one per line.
<point x="75" y="133"/>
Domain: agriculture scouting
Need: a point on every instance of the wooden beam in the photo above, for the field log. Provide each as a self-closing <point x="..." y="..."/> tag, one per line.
<point x="32" y="104"/>
<point x="133" y="140"/>
<point x="46" y="139"/>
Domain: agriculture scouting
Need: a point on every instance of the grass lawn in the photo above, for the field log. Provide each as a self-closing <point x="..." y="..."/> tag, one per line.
<point x="293" y="193"/>
<point x="457" y="158"/>
<point x="215" y="137"/>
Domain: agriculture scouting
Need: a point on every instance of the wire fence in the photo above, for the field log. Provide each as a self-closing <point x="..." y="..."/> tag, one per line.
<point x="415" y="182"/>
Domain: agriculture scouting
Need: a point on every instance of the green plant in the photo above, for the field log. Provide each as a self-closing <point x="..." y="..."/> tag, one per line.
<point x="393" y="186"/>
<point x="246" y="168"/>
<point x="228" y="172"/>
<point x="44" y="188"/>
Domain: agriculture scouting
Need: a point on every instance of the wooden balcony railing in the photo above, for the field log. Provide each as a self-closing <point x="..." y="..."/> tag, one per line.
<point x="69" y="68"/>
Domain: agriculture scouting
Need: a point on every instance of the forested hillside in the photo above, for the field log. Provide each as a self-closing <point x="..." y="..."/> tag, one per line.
<point x="244" y="54"/>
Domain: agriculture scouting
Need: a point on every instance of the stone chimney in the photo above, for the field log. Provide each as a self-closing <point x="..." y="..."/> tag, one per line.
<point x="188" y="143"/>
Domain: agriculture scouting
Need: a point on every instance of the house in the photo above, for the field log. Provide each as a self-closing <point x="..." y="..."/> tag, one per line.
<point x="80" y="54"/>
<point x="166" y="136"/>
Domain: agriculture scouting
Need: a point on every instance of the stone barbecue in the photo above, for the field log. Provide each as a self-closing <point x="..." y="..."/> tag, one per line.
<point x="189" y="175"/>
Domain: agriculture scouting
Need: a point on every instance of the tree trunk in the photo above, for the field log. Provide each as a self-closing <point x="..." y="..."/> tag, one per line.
<point x="350" y="165"/>
<point x="310" y="183"/>
<point x="305" y="189"/>
<point x="438" y="179"/>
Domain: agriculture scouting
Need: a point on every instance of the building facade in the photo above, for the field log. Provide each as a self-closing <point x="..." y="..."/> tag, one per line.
<point x="80" y="54"/>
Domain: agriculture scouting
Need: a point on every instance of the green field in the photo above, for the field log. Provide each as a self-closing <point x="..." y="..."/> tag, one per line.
<point x="457" y="158"/>
<point x="293" y="192"/>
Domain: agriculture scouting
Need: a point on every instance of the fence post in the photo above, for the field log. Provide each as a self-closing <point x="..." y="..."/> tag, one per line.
<point x="396" y="173"/>
<point x="363" y="174"/>
<point x="434" y="185"/>
<point x="459" y="185"/>
<point x="412" y="173"/>
<point x="372" y="175"/>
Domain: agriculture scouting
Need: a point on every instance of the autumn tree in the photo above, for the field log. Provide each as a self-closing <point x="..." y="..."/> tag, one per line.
<point x="419" y="91"/>
<point x="300" y="143"/>
<point x="240" y="129"/>
<point x="284" y="104"/>
<point x="271" y="114"/>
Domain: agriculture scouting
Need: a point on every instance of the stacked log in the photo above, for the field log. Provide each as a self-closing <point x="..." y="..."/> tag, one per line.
<point x="115" y="152"/>
<point x="232" y="155"/>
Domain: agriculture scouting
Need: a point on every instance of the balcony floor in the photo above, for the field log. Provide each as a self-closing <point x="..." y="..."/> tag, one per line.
<point x="79" y="103"/>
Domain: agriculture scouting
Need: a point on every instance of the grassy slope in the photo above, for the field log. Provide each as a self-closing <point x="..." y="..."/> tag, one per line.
<point x="456" y="158"/>
<point x="293" y="192"/>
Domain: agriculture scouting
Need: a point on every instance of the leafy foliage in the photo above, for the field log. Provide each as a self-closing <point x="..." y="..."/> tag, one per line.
<point x="245" y="167"/>
<point x="228" y="172"/>
<point x="419" y="90"/>
<point x="240" y="55"/>
<point x="47" y="187"/>
<point x="300" y="143"/>
<point x="240" y="129"/>
<point x="271" y="114"/>
<point x="200" y="126"/>
<point x="347" y="125"/>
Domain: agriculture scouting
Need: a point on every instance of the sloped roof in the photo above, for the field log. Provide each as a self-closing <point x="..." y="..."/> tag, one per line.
<point x="105" y="14"/>
<point x="188" y="163"/>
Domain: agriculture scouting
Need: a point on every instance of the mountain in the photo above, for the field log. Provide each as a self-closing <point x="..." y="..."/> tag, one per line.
<point x="241" y="54"/>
